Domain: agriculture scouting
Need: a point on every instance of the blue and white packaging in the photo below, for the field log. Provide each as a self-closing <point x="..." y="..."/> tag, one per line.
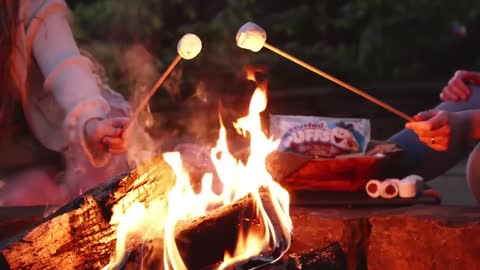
<point x="320" y="137"/>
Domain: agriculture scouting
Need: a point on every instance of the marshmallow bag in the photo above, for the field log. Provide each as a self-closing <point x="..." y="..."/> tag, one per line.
<point x="331" y="154"/>
<point x="320" y="137"/>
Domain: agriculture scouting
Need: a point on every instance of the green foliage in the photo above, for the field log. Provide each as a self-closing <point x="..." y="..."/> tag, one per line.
<point x="358" y="40"/>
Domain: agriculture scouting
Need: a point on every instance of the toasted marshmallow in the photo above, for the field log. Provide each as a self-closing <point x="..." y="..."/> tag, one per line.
<point x="251" y="36"/>
<point x="189" y="46"/>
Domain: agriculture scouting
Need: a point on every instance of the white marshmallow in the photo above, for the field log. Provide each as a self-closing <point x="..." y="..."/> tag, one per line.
<point x="189" y="46"/>
<point x="251" y="36"/>
<point x="413" y="177"/>
<point x="417" y="179"/>
<point x="373" y="188"/>
<point x="389" y="188"/>
<point x="407" y="188"/>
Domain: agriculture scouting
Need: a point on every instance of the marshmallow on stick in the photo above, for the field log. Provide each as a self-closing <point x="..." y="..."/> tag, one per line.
<point x="252" y="37"/>
<point x="188" y="47"/>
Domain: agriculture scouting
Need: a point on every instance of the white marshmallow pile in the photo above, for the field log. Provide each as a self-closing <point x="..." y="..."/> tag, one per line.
<point x="251" y="36"/>
<point x="408" y="187"/>
<point x="189" y="46"/>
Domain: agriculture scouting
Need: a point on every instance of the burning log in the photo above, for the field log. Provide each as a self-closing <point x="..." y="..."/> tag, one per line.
<point x="80" y="236"/>
<point x="204" y="241"/>
<point x="331" y="257"/>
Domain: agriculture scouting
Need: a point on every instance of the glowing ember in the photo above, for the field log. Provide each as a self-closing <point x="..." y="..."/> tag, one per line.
<point x="270" y="234"/>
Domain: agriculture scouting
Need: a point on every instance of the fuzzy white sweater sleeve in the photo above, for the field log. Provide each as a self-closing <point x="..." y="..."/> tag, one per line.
<point x="68" y="74"/>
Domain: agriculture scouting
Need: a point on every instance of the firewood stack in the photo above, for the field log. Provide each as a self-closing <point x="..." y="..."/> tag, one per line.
<point x="80" y="236"/>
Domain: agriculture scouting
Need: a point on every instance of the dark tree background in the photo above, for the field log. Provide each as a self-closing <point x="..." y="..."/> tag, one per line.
<point x="363" y="42"/>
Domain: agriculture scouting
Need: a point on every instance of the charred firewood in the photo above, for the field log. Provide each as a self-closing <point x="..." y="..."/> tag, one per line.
<point x="331" y="257"/>
<point x="221" y="229"/>
<point x="79" y="236"/>
<point x="203" y="242"/>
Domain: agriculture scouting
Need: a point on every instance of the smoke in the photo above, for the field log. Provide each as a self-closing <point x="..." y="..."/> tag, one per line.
<point x="167" y="121"/>
<point x="187" y="106"/>
<point x="141" y="70"/>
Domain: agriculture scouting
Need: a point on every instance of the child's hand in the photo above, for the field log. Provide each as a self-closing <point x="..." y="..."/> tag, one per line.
<point x="107" y="132"/>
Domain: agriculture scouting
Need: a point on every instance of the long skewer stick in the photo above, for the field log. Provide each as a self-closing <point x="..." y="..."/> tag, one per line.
<point x="188" y="47"/>
<point x="146" y="99"/>
<point x="339" y="82"/>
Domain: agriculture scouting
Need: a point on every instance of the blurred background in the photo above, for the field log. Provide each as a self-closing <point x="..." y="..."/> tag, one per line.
<point x="402" y="52"/>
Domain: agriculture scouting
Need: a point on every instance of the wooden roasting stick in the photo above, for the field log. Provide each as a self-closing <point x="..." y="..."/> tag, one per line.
<point x="339" y="82"/>
<point x="80" y="236"/>
<point x="253" y="37"/>
<point x="188" y="47"/>
<point x="144" y="101"/>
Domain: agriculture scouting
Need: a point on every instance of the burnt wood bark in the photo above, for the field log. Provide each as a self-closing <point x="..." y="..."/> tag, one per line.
<point x="79" y="236"/>
<point x="331" y="257"/>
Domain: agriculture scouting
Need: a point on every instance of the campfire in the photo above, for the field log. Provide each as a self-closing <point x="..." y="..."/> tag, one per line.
<point x="152" y="217"/>
<point x="264" y="235"/>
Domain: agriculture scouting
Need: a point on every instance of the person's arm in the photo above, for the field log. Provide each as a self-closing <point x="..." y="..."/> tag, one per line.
<point x="68" y="74"/>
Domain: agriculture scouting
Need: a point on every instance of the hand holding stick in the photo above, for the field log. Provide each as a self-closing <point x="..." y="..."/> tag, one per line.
<point x="188" y="47"/>
<point x="253" y="37"/>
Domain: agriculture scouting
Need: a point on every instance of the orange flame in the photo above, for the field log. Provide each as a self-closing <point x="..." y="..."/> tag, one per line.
<point x="239" y="180"/>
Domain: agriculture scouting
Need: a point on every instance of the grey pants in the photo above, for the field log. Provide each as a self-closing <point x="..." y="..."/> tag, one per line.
<point x="422" y="160"/>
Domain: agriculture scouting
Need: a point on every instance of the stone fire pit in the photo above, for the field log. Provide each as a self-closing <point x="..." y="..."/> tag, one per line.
<point x="415" y="237"/>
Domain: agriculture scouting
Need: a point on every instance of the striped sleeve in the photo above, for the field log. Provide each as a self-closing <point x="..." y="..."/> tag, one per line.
<point x="68" y="74"/>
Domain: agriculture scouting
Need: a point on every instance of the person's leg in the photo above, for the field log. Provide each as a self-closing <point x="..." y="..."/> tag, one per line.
<point x="422" y="160"/>
<point x="473" y="172"/>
